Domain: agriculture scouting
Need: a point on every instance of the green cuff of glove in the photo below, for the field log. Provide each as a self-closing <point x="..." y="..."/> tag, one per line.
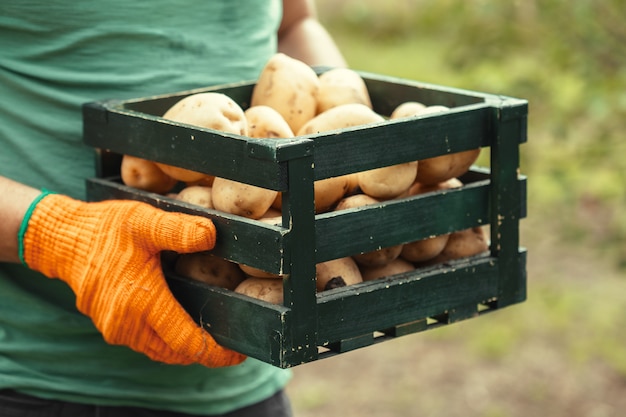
<point x="25" y="220"/>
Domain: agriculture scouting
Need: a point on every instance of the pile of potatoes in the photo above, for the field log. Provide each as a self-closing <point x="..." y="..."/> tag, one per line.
<point x="290" y="99"/>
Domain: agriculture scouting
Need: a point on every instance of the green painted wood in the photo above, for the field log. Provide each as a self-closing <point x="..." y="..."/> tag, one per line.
<point x="157" y="105"/>
<point x="388" y="92"/>
<point x="351" y="343"/>
<point x="151" y="137"/>
<point x="378" y="305"/>
<point x="398" y="141"/>
<point x="363" y="314"/>
<point x="509" y="121"/>
<point x="252" y="327"/>
<point x="239" y="239"/>
<point x="348" y="232"/>
<point x="300" y="285"/>
<point x="407" y="328"/>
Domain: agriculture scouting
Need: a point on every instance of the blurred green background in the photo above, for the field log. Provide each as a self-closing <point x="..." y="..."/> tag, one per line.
<point x="563" y="351"/>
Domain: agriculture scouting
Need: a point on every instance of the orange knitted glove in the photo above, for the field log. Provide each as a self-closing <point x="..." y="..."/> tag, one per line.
<point x="109" y="254"/>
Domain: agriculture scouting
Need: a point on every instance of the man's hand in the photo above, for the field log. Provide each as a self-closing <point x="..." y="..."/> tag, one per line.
<point x="109" y="254"/>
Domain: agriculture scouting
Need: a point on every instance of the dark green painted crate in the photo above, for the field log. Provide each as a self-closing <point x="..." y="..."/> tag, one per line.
<point x="310" y="326"/>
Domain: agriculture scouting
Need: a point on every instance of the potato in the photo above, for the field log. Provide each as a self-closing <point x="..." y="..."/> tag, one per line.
<point x="337" y="273"/>
<point x="419" y="188"/>
<point x="257" y="273"/>
<point x="462" y="244"/>
<point x="270" y="290"/>
<point x="433" y="109"/>
<point x="353" y="183"/>
<point x="209" y="110"/>
<point x="388" y="182"/>
<point x="272" y="216"/>
<point x="145" y="175"/>
<point x="377" y="257"/>
<point x="196" y="194"/>
<point x="397" y="266"/>
<point x="205" y="181"/>
<point x="341" y="86"/>
<point x="210" y="269"/>
<point x="266" y="122"/>
<point x="444" y="167"/>
<point x="327" y="193"/>
<point x="426" y="249"/>
<point x="340" y="117"/>
<point x="290" y="87"/>
<point x="407" y="109"/>
<point x="354" y="201"/>
<point x="241" y="199"/>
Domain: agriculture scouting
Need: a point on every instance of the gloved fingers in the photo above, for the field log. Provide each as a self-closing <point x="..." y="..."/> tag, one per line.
<point x="182" y="335"/>
<point x="179" y="232"/>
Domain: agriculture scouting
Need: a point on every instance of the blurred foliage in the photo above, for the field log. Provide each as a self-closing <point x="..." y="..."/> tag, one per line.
<point x="560" y="353"/>
<point x="568" y="59"/>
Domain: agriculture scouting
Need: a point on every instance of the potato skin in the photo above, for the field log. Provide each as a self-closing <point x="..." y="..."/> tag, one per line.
<point x="336" y="273"/>
<point x="355" y="200"/>
<point x="266" y="122"/>
<point x="145" y="175"/>
<point x="462" y="244"/>
<point x="443" y="167"/>
<point x="266" y="289"/>
<point x="378" y="257"/>
<point x="407" y="109"/>
<point x="388" y="182"/>
<point x="290" y="87"/>
<point x="327" y="193"/>
<point x="426" y="249"/>
<point x="196" y="194"/>
<point x="210" y="269"/>
<point x="209" y="110"/>
<point x="340" y="117"/>
<point x="241" y="199"/>
<point x="397" y="266"/>
<point x="341" y="86"/>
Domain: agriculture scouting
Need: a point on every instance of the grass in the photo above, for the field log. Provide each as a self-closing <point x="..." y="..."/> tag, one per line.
<point x="560" y="353"/>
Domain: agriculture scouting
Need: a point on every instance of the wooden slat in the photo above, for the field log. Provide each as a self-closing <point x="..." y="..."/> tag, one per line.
<point x="398" y="141"/>
<point x="378" y="305"/>
<point x="204" y="150"/>
<point x="351" y="317"/>
<point x="240" y="240"/>
<point x="348" y="232"/>
<point x="249" y="326"/>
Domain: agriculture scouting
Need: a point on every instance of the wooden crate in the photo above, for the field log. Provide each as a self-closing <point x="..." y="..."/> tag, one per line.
<point x="310" y="325"/>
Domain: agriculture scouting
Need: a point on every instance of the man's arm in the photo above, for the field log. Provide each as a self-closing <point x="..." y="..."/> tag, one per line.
<point x="303" y="37"/>
<point x="15" y="198"/>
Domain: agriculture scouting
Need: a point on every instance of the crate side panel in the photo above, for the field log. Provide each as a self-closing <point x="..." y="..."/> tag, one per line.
<point x="247" y="326"/>
<point x="348" y="232"/>
<point x="378" y="305"/>
<point x="240" y="240"/>
<point x="399" y="141"/>
<point x="202" y="150"/>
<point x="508" y="196"/>
<point x="387" y="93"/>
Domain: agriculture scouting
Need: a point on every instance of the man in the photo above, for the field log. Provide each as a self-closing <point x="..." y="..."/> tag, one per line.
<point x="87" y="325"/>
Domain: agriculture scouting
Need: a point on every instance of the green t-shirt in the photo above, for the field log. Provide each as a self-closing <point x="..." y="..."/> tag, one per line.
<point x="54" y="56"/>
